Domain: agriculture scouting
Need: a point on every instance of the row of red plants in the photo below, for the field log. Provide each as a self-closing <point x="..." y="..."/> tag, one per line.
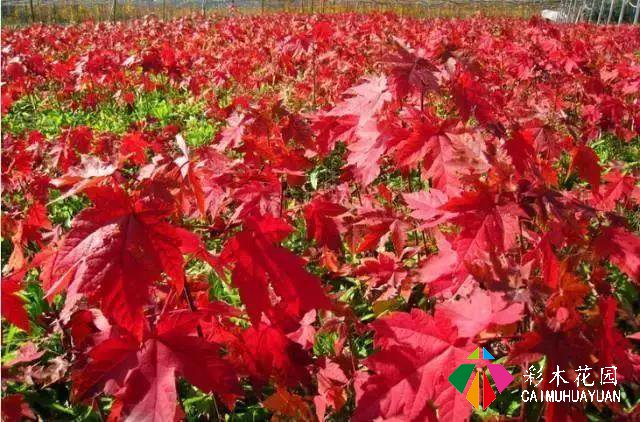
<point x="467" y="207"/>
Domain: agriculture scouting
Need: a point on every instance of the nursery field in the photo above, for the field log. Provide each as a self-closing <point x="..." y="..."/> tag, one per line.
<point x="321" y="217"/>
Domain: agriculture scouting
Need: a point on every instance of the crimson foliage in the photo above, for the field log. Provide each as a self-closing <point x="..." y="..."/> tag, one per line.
<point x="384" y="195"/>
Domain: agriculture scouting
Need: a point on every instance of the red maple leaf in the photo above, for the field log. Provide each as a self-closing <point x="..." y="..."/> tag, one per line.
<point x="80" y="138"/>
<point x="479" y="311"/>
<point x="133" y="148"/>
<point x="259" y="194"/>
<point x="375" y="227"/>
<point x="426" y="206"/>
<point x="372" y="139"/>
<point x="622" y="248"/>
<point x="386" y="272"/>
<point x="28" y="230"/>
<point x="13" y="305"/>
<point x="231" y="136"/>
<point x="410" y="70"/>
<point x="448" y="151"/>
<point x="620" y="188"/>
<point x="15" y="408"/>
<point x="411" y="370"/>
<point x="142" y="376"/>
<point x="332" y="387"/>
<point x="259" y="263"/>
<point x="90" y="172"/>
<point x="320" y="216"/>
<point x="354" y="120"/>
<point x="472" y="98"/>
<point x="265" y="353"/>
<point x="489" y="222"/>
<point x="613" y="348"/>
<point x="585" y="161"/>
<point x="116" y="250"/>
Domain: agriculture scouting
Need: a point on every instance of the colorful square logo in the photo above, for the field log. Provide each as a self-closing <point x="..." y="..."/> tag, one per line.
<point x="470" y="371"/>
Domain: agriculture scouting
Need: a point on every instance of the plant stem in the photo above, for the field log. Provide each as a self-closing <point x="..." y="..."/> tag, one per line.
<point x="192" y="306"/>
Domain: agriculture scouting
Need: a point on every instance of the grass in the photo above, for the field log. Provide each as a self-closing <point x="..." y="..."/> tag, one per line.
<point x="162" y="108"/>
<point x="609" y="148"/>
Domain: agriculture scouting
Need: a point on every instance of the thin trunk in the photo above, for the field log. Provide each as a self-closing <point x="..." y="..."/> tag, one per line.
<point x="192" y="306"/>
<point x="113" y="11"/>
<point x="624" y="4"/>
<point x="32" y="11"/>
<point x="215" y="409"/>
<point x="315" y="80"/>
<point x="601" y="11"/>
<point x="572" y="9"/>
<point x="592" y="10"/>
<point x="579" y="13"/>
<point x="613" y="2"/>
